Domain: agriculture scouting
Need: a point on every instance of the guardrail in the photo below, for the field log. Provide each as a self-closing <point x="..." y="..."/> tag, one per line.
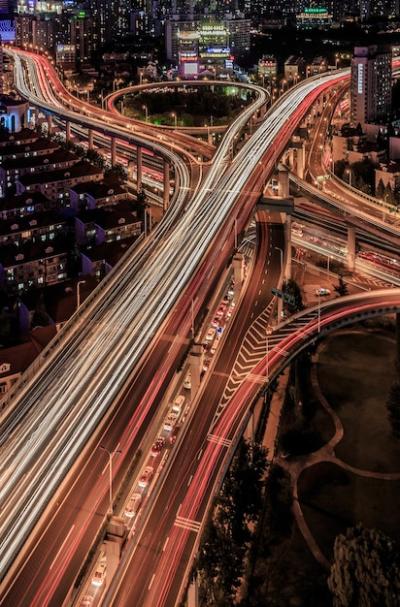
<point x="371" y="199"/>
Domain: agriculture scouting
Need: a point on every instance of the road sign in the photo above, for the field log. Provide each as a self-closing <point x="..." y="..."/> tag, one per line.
<point x="286" y="297"/>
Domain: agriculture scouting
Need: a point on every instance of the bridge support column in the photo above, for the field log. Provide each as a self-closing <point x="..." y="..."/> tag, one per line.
<point x="115" y="537"/>
<point x="193" y="594"/>
<point x="351" y="248"/>
<point x="166" y="185"/>
<point x="113" y="151"/>
<point x="238" y="275"/>
<point x="287" y="270"/>
<point x="34" y="117"/>
<point x="139" y="168"/>
<point x="90" y="139"/>
<point x="67" y="131"/>
<point x="291" y="158"/>
<point x="301" y="157"/>
<point x="196" y="359"/>
<point x="283" y="182"/>
<point x="49" y="124"/>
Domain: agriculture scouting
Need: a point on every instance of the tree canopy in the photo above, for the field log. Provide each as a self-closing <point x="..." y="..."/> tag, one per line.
<point x="365" y="571"/>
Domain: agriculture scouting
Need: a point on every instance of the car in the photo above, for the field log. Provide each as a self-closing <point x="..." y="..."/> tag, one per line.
<point x="133" y="505"/>
<point x="86" y="601"/>
<point x="215" y="322"/>
<point x="187" y="382"/>
<point x="157" y="446"/>
<point x="146" y="476"/>
<point x="178" y="404"/>
<point x="170" y="422"/>
<point x="210" y="334"/>
<point x="322" y="292"/>
<point x="100" y="573"/>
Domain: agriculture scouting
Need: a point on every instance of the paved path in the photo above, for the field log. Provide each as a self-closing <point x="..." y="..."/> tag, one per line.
<point x="296" y="465"/>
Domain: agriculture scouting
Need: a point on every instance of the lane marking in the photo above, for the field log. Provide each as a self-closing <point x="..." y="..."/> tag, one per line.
<point x="151" y="581"/>
<point x="61" y="547"/>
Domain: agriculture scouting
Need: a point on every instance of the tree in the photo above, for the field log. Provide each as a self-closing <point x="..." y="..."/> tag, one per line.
<point x="340" y="167"/>
<point x="95" y="158"/>
<point x="292" y="289"/>
<point x="393" y="407"/>
<point x="116" y="172"/>
<point x="389" y="196"/>
<point x="366" y="569"/>
<point x="380" y="190"/>
<point x="341" y="288"/>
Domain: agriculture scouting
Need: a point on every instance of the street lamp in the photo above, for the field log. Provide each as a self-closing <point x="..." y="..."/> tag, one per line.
<point x="281" y="256"/>
<point x="329" y="259"/>
<point x="78" y="293"/>
<point x="175" y="117"/>
<point x="110" y="458"/>
<point x="280" y="299"/>
<point x="319" y="312"/>
<point x="267" y="334"/>
<point x="146" y="112"/>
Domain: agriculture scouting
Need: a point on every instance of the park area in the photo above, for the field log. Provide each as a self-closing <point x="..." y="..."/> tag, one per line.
<point x="339" y="466"/>
<point x="188" y="105"/>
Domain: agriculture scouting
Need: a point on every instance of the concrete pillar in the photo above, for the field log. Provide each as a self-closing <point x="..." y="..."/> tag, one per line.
<point x="131" y="169"/>
<point x="196" y="359"/>
<point x="113" y="555"/>
<point x="90" y="139"/>
<point x="34" y="116"/>
<point x="238" y="275"/>
<point x="139" y="168"/>
<point x="166" y="186"/>
<point x="250" y="431"/>
<point x="67" y="130"/>
<point x="351" y="248"/>
<point x="113" y="151"/>
<point x="287" y="270"/>
<point x="49" y="124"/>
<point x="283" y="182"/>
<point x="115" y="538"/>
<point x="291" y="158"/>
<point x="301" y="157"/>
<point x="193" y="594"/>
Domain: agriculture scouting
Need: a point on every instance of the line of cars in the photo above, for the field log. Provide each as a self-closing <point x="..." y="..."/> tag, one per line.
<point x="392" y="263"/>
<point x="164" y="440"/>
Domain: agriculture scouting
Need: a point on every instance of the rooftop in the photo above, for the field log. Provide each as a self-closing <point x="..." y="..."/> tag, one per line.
<point x="80" y="169"/>
<point x="23" y="200"/>
<point x="99" y="189"/>
<point x="49" y="160"/>
<point x="33" y="220"/>
<point x="12" y="255"/>
<point x="26" y="147"/>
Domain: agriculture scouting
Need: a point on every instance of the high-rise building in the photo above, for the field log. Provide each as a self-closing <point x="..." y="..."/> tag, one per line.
<point x="371" y="85"/>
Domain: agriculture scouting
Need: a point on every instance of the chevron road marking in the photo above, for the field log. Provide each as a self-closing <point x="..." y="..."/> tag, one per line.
<point x="187" y="523"/>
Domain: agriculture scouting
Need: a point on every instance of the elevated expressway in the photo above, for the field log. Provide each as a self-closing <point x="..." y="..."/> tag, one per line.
<point x="99" y="330"/>
<point x="131" y="336"/>
<point x="152" y="572"/>
<point x="363" y="212"/>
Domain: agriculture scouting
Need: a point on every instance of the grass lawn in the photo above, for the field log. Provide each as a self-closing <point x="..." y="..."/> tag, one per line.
<point x="291" y="577"/>
<point x="332" y="500"/>
<point x="355" y="371"/>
